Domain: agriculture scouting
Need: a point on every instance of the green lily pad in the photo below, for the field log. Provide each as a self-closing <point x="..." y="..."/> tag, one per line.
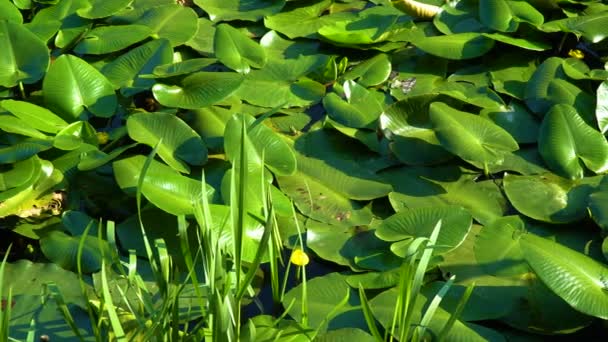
<point x="360" y="110"/>
<point x="26" y="56"/>
<point x="550" y="198"/>
<point x="455" y="46"/>
<point x="106" y="39"/>
<point x="162" y="186"/>
<point x="179" y="144"/>
<point x="72" y="86"/>
<point x="37" y="117"/>
<point x="237" y="51"/>
<point x="198" y="89"/>
<point x="472" y="138"/>
<point x="408" y="224"/>
<point x="497" y="247"/>
<point x="282" y="83"/>
<point x="220" y="10"/>
<point x="565" y="140"/>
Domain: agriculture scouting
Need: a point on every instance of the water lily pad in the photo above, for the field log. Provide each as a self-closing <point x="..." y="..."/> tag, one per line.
<point x="106" y="39"/>
<point x="199" y="89"/>
<point x="237" y="51"/>
<point x="220" y="10"/>
<point x="72" y="86"/>
<point x="26" y="56"/>
<point x="550" y="198"/>
<point x="408" y="224"/>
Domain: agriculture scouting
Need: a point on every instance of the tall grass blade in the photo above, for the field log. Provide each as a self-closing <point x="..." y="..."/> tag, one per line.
<point x="431" y="309"/>
<point x="5" y="312"/>
<point x="109" y="306"/>
<point x="369" y="316"/>
<point x="456" y="313"/>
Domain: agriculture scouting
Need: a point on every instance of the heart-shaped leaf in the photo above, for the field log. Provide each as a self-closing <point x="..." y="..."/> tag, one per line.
<point x="455" y="46"/>
<point x="25" y="57"/>
<point x="162" y="186"/>
<point x="408" y="224"/>
<point x="72" y="86"/>
<point x="282" y="83"/>
<point x="199" y="89"/>
<point x="548" y="197"/>
<point x="62" y="249"/>
<point x="360" y="110"/>
<point x="94" y="9"/>
<point x="472" y="138"/>
<point x="575" y="277"/>
<point x="592" y="27"/>
<point x="106" y="39"/>
<point x="224" y="10"/>
<point x="125" y="70"/>
<point x="371" y="72"/>
<point x="74" y="135"/>
<point x="179" y="144"/>
<point x="176" y="23"/>
<point x="237" y="51"/>
<point x="277" y="153"/>
<point x="565" y="140"/>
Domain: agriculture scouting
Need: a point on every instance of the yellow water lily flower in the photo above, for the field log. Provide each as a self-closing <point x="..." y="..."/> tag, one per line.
<point x="299" y="257"/>
<point x="576" y="53"/>
<point x="102" y="138"/>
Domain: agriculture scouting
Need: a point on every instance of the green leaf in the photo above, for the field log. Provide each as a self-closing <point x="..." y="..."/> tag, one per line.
<point x="516" y="120"/>
<point x="75" y="135"/>
<point x="162" y="186"/>
<point x="62" y="249"/>
<point x="360" y="110"/>
<point x="23" y="149"/>
<point x="548" y="197"/>
<point x="578" y="279"/>
<point x="325" y="301"/>
<point x="598" y="201"/>
<point x="176" y="23"/>
<point x="497" y="247"/>
<point x="9" y="12"/>
<point x="95" y="9"/>
<point x="72" y="86"/>
<point x="125" y="71"/>
<point x="455" y="46"/>
<point x="528" y="43"/>
<point x="282" y="83"/>
<point x="224" y="10"/>
<point x="565" y="140"/>
<point x="11" y="124"/>
<point x="237" y="51"/>
<point x="199" y="89"/>
<point x="601" y="109"/>
<point x="592" y="27"/>
<point x="304" y="21"/>
<point x="179" y="144"/>
<point x="416" y="187"/>
<point x="106" y="39"/>
<point x="180" y="68"/>
<point x="324" y="193"/>
<point x="371" y="72"/>
<point x="408" y="224"/>
<point x="496" y="14"/>
<point x="548" y="86"/>
<point x="27" y="201"/>
<point x="24" y="172"/>
<point x="278" y="155"/>
<point x="472" y="138"/>
<point x="25" y="57"/>
<point x="37" y="117"/>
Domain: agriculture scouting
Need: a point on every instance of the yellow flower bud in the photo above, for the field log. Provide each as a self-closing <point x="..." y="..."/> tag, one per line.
<point x="102" y="138"/>
<point x="299" y="257"/>
<point x="576" y="53"/>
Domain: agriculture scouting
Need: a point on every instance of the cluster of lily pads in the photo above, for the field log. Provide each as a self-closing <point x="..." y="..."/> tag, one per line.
<point x="354" y="125"/>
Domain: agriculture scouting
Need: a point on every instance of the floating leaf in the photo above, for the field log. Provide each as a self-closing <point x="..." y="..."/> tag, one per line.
<point x="223" y="10"/>
<point x="575" y="277"/>
<point x="548" y="197"/>
<point x="592" y="26"/>
<point x="62" y="249"/>
<point x="72" y="85"/>
<point x="95" y="9"/>
<point x="565" y="140"/>
<point x="406" y="225"/>
<point x="200" y="89"/>
<point x="237" y="51"/>
<point x="601" y="109"/>
<point x="25" y="57"/>
<point x="371" y="72"/>
<point x="472" y="138"/>
<point x="162" y="186"/>
<point x="179" y="144"/>
<point x="106" y="39"/>
<point x="125" y="71"/>
<point x="455" y="46"/>
<point x="75" y="135"/>
<point x="37" y="117"/>
<point x="176" y="23"/>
